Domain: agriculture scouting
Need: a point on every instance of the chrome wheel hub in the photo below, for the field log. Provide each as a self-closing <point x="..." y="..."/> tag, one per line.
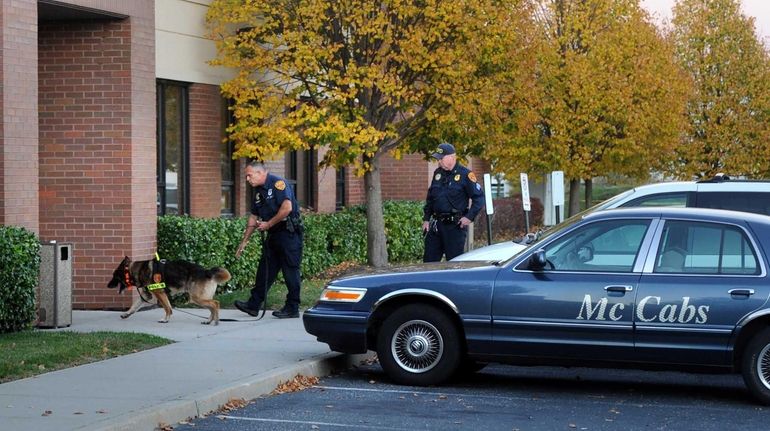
<point x="417" y="346"/>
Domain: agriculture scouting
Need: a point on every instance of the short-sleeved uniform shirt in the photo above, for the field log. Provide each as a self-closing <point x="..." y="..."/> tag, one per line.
<point x="450" y="191"/>
<point x="269" y="197"/>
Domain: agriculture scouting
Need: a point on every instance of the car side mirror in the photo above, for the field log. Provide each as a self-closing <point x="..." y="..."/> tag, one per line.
<point x="537" y="260"/>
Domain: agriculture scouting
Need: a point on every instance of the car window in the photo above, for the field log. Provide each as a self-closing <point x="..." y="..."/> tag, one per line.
<point x="704" y="248"/>
<point x="606" y="246"/>
<point x="677" y="200"/>
<point x="753" y="202"/>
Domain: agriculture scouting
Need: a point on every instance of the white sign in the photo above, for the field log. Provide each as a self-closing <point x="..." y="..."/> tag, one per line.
<point x="525" y="192"/>
<point x="557" y="187"/>
<point x="488" y="194"/>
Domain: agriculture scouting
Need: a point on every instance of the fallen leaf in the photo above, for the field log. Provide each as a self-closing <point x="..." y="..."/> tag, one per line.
<point x="233" y="404"/>
<point x="298" y="383"/>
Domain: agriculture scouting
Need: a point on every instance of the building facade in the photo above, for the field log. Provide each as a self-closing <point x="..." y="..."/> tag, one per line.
<point x="111" y="116"/>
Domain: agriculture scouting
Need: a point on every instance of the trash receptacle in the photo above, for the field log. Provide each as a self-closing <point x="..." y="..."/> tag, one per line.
<point x="55" y="285"/>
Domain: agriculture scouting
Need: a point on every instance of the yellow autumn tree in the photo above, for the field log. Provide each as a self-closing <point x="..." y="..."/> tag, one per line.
<point x="729" y="111"/>
<point x="605" y="97"/>
<point x="363" y="78"/>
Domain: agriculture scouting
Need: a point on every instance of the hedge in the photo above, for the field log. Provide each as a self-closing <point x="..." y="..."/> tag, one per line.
<point x="19" y="270"/>
<point x="329" y="240"/>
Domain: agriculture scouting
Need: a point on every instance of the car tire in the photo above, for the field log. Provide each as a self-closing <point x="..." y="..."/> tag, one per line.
<point x="419" y="345"/>
<point x="756" y="366"/>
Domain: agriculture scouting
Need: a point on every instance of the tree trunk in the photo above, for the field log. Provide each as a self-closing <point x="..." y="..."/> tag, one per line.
<point x="574" y="196"/>
<point x="376" y="245"/>
<point x="589" y="192"/>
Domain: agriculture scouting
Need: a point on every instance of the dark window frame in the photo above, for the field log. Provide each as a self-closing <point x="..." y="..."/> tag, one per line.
<point x="228" y="185"/>
<point x="184" y="127"/>
<point x="341" y="184"/>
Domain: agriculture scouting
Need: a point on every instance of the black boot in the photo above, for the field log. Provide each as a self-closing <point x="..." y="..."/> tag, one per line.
<point x="247" y="308"/>
<point x="286" y="312"/>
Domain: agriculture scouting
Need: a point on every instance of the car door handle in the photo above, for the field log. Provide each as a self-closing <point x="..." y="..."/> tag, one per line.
<point x="618" y="288"/>
<point x="741" y="292"/>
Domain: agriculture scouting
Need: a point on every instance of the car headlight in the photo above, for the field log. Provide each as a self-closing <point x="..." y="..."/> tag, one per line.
<point x="342" y="294"/>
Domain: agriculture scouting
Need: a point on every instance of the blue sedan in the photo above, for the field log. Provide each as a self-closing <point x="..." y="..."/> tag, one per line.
<point x="670" y="288"/>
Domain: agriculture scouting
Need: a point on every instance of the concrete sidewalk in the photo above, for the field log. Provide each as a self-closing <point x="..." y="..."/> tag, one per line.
<point x="205" y="368"/>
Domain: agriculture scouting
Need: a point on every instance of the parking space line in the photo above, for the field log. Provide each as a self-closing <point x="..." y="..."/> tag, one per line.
<point x="590" y="397"/>
<point x="396" y="391"/>
<point x="328" y="424"/>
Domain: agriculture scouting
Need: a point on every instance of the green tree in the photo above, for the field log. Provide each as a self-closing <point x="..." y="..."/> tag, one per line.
<point x="728" y="112"/>
<point x="605" y="95"/>
<point x="363" y="78"/>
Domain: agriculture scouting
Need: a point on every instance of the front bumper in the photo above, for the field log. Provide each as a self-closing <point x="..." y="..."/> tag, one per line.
<point x="343" y="331"/>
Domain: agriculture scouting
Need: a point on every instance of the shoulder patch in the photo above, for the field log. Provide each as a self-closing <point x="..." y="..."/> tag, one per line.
<point x="280" y="185"/>
<point x="472" y="176"/>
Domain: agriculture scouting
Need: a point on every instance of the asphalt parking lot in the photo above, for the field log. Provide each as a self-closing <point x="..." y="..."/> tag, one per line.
<point x="506" y="398"/>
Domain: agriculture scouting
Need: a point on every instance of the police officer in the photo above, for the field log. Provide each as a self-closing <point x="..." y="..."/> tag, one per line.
<point x="446" y="215"/>
<point x="275" y="211"/>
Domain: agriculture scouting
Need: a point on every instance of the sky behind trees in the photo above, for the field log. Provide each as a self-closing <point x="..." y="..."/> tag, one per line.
<point x="759" y="9"/>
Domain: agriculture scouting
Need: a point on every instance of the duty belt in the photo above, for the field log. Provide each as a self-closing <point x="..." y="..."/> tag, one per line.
<point x="447" y="217"/>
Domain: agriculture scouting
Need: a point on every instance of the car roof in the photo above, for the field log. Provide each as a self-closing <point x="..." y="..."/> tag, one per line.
<point x="671" y="212"/>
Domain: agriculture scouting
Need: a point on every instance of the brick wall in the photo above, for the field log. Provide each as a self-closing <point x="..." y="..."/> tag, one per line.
<point x="97" y="146"/>
<point x="2" y="118"/>
<point x="405" y="179"/>
<point x="355" y="194"/>
<point x="206" y="132"/>
<point x="326" y="197"/>
<point x="18" y="118"/>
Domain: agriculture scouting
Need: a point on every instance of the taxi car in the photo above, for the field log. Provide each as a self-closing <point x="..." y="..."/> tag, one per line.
<point x="669" y="288"/>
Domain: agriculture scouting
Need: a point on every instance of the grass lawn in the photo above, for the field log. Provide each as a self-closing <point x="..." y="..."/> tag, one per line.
<point x="28" y="353"/>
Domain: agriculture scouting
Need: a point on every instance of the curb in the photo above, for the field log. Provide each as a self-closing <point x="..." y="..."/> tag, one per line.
<point x="202" y="403"/>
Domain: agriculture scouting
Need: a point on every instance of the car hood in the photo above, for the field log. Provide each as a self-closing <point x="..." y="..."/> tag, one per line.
<point x="495" y="252"/>
<point x="416" y="272"/>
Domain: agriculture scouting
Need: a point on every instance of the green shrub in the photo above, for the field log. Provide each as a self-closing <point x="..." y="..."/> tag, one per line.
<point x="329" y="240"/>
<point x="19" y="270"/>
<point x="403" y="229"/>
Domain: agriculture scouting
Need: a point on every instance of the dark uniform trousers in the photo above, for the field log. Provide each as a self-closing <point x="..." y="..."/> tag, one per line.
<point x="282" y="250"/>
<point x="449" y="239"/>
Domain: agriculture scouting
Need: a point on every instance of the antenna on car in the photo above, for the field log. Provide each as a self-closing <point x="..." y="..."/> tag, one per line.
<point x="718" y="178"/>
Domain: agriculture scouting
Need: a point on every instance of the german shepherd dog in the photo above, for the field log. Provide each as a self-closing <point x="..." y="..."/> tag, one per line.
<point x="179" y="276"/>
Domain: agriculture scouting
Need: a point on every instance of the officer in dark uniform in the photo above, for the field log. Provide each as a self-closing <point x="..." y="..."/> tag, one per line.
<point x="275" y="211"/>
<point x="446" y="215"/>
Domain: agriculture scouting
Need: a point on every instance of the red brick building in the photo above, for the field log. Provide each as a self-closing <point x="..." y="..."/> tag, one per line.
<point x="110" y="116"/>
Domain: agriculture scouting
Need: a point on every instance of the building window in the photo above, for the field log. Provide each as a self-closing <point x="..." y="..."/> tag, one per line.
<point x="340" y="188"/>
<point x="227" y="208"/>
<point x="173" y="146"/>
<point x="301" y="172"/>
